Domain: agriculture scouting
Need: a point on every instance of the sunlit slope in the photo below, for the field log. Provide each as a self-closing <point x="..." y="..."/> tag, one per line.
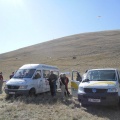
<point x="76" y="52"/>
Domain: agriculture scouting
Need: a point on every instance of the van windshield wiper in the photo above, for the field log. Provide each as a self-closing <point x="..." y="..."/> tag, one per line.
<point x="18" y="77"/>
<point x="86" y="80"/>
<point x="102" y="80"/>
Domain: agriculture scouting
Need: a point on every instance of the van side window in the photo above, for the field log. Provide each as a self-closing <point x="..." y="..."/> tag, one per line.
<point x="46" y="73"/>
<point x="37" y="74"/>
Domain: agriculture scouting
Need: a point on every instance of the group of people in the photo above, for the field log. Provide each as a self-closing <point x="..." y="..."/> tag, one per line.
<point x="63" y="79"/>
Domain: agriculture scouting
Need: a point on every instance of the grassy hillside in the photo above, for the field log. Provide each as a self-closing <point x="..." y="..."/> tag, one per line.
<point x="92" y="50"/>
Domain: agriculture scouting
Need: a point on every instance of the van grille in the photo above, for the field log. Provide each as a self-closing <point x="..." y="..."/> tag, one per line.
<point x="13" y="87"/>
<point x="94" y="97"/>
<point x="90" y="90"/>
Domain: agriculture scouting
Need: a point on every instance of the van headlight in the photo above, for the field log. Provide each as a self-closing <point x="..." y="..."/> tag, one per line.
<point x="23" y="87"/>
<point x="112" y="90"/>
<point x="81" y="90"/>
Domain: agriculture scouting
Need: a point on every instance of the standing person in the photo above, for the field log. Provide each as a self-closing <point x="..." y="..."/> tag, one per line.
<point x="66" y="84"/>
<point x="62" y="85"/>
<point x="1" y="81"/>
<point x="52" y="82"/>
<point x="79" y="78"/>
<point x="12" y="75"/>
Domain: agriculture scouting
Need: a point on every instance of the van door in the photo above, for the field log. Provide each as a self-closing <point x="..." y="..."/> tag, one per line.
<point x="46" y="86"/>
<point x="38" y="82"/>
<point x="75" y="81"/>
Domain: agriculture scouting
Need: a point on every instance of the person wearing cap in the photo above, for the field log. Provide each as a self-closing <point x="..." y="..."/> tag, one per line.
<point x="1" y="81"/>
<point x="52" y="82"/>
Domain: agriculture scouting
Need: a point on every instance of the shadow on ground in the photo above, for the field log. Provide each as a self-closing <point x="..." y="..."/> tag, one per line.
<point x="106" y="112"/>
<point x="43" y="98"/>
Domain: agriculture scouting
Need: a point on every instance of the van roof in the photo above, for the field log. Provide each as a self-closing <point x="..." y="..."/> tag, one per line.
<point x="35" y="66"/>
<point x="103" y="69"/>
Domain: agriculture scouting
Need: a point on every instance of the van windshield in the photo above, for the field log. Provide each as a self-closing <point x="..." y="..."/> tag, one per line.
<point x="24" y="73"/>
<point x="101" y="75"/>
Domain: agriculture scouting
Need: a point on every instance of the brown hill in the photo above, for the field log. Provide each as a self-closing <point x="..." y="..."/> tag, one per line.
<point x="76" y="52"/>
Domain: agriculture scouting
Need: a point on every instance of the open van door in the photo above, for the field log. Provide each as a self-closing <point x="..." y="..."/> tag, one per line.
<point x="75" y="81"/>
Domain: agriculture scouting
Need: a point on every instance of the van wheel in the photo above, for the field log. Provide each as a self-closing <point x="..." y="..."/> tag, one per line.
<point x="32" y="92"/>
<point x="8" y="96"/>
<point x="83" y="104"/>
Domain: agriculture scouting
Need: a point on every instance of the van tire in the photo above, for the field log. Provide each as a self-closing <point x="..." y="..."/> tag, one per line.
<point x="83" y="104"/>
<point x="8" y="96"/>
<point x="32" y="92"/>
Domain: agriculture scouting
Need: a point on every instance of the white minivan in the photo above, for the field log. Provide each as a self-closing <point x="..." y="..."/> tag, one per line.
<point x="98" y="87"/>
<point x="31" y="79"/>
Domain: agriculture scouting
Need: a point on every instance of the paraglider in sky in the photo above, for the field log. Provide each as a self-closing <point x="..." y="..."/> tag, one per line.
<point x="99" y="16"/>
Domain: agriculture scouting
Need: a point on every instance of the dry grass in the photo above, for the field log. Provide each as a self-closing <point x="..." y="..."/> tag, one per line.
<point x="92" y="50"/>
<point x="44" y="107"/>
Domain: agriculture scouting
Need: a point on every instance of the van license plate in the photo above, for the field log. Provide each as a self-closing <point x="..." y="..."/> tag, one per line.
<point x="94" y="100"/>
<point x="11" y="92"/>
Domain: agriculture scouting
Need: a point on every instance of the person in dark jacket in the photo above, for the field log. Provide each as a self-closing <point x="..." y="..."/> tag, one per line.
<point x="62" y="85"/>
<point x="66" y="84"/>
<point x="52" y="82"/>
<point x="79" y="78"/>
<point x="12" y="75"/>
<point x="1" y="81"/>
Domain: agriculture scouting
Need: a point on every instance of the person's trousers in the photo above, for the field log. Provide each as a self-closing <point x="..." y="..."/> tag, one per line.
<point x="53" y="89"/>
<point x="1" y="84"/>
<point x="63" y="90"/>
<point x="66" y="87"/>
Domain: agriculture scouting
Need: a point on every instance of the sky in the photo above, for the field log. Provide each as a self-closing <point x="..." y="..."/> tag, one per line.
<point x="28" y="22"/>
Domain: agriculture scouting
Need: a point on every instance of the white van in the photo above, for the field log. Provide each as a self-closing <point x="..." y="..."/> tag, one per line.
<point x="31" y="79"/>
<point x="99" y="87"/>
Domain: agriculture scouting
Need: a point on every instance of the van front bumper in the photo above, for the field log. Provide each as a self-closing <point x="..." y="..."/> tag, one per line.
<point x="99" y="98"/>
<point x="16" y="92"/>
